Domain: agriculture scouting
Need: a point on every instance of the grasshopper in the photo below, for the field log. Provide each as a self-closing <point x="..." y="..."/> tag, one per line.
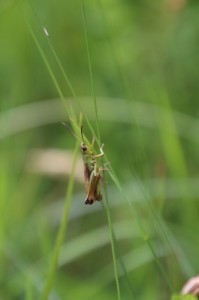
<point x="92" y="174"/>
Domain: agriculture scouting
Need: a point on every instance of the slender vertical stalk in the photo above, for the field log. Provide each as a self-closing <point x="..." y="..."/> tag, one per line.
<point x="99" y="139"/>
<point x="61" y="233"/>
<point x="91" y="71"/>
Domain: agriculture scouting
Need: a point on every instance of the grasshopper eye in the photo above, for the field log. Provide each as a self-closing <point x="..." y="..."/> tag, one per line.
<point x="83" y="147"/>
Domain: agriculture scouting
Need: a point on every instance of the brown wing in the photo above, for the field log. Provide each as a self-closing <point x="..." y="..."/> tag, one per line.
<point x="94" y="192"/>
<point x="87" y="174"/>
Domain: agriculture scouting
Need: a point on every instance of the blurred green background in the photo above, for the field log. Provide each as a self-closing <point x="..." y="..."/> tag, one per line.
<point x="145" y="60"/>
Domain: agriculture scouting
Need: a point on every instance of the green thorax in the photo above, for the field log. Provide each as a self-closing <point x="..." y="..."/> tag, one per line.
<point x="89" y="160"/>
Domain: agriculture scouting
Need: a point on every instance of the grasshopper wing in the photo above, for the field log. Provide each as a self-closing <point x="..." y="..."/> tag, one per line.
<point x="94" y="190"/>
<point x="87" y="175"/>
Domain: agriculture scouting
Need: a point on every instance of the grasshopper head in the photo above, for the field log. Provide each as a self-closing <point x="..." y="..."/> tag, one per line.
<point x="85" y="148"/>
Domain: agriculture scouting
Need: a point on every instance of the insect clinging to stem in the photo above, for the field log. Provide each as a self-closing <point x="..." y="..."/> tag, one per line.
<point x="92" y="174"/>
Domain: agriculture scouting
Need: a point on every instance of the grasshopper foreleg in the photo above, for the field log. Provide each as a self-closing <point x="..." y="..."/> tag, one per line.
<point x="101" y="152"/>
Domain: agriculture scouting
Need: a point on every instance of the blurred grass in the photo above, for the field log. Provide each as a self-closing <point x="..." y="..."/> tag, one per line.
<point x="144" y="63"/>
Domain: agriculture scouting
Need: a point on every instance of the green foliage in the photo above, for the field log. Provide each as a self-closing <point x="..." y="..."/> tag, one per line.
<point x="131" y="69"/>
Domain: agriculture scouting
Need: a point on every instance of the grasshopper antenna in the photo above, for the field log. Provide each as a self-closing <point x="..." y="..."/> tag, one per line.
<point x="68" y="127"/>
<point x="82" y="133"/>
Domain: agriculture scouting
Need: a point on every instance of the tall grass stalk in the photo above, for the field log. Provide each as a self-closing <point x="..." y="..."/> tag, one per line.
<point x="62" y="230"/>
<point x="99" y="139"/>
<point x="91" y="71"/>
<point x="113" y="241"/>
